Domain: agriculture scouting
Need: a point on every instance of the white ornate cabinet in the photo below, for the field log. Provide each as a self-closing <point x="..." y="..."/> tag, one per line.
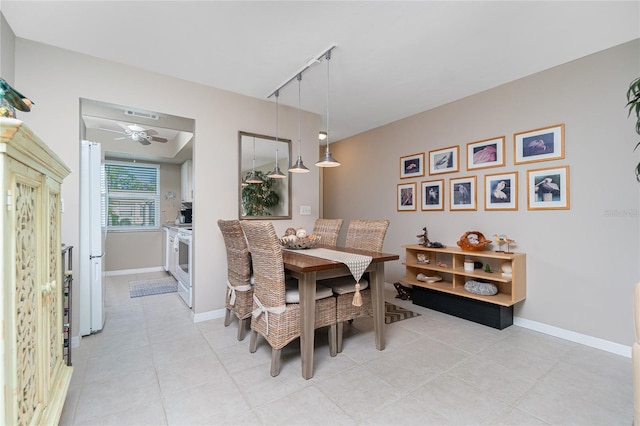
<point x="34" y="376"/>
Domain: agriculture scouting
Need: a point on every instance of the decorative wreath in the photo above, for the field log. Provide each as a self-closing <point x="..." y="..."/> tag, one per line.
<point x="473" y="241"/>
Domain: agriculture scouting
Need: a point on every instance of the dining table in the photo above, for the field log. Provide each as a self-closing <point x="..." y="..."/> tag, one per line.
<point x="307" y="269"/>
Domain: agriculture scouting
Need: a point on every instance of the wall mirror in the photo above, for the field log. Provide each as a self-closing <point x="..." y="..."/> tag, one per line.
<point x="263" y="197"/>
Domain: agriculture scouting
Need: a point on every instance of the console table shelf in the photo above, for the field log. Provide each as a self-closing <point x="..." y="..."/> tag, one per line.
<point x="448" y="263"/>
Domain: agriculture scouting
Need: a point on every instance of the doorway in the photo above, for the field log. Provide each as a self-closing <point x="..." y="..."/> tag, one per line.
<point x="134" y="138"/>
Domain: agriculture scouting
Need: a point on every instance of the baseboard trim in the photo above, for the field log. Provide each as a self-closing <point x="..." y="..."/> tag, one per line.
<point x="572" y="336"/>
<point x="134" y="271"/>
<point x="206" y="316"/>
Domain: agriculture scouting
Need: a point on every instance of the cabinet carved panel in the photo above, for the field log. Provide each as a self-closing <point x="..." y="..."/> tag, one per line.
<point x="26" y="300"/>
<point x="34" y="379"/>
<point x="55" y="304"/>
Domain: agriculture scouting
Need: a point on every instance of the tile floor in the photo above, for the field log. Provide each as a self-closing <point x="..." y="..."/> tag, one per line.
<point x="152" y="366"/>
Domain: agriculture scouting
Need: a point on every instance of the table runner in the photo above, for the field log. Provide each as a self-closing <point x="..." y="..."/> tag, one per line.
<point x="357" y="264"/>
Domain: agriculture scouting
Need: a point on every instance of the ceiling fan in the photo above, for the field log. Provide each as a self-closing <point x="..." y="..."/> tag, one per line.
<point x="137" y="133"/>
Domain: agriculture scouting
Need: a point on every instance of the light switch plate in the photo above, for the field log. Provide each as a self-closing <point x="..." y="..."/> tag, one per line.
<point x="305" y="210"/>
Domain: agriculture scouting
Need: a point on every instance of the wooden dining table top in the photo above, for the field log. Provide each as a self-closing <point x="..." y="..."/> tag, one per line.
<point x="303" y="260"/>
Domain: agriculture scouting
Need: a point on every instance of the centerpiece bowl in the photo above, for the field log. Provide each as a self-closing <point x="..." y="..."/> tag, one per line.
<point x="299" y="243"/>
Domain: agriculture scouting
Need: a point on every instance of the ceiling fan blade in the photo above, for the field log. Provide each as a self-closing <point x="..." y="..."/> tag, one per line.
<point x="121" y="139"/>
<point x="111" y="130"/>
<point x="124" y="126"/>
<point x="144" y="142"/>
<point x="151" y="132"/>
<point x="158" y="139"/>
<point x="136" y="128"/>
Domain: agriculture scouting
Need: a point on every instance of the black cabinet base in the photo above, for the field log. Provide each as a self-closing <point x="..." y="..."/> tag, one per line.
<point x="485" y="313"/>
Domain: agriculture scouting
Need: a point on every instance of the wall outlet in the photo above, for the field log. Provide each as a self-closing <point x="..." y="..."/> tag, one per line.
<point x="305" y="210"/>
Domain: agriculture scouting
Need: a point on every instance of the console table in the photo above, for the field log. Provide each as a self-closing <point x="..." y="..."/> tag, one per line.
<point x="449" y="295"/>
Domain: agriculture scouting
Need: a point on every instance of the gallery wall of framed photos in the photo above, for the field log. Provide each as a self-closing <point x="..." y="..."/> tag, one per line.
<point x="546" y="188"/>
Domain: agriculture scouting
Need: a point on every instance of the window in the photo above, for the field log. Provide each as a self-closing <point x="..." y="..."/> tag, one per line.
<point x="133" y="196"/>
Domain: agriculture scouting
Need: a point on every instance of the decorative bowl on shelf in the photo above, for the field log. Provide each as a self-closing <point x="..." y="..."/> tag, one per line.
<point x="473" y="241"/>
<point x="296" y="243"/>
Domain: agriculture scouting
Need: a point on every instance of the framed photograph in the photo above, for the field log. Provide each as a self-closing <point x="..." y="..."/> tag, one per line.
<point x="444" y="160"/>
<point x="548" y="189"/>
<point x="406" y="196"/>
<point x="539" y="145"/>
<point x="501" y="191"/>
<point x="462" y="193"/>
<point x="432" y="194"/>
<point x="485" y="154"/>
<point x="412" y="166"/>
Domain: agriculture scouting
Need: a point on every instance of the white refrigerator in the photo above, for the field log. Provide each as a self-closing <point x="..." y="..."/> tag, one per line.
<point x="93" y="232"/>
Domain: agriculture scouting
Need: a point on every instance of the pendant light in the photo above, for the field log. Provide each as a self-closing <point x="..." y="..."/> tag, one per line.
<point x="276" y="173"/>
<point x="327" y="160"/>
<point x="299" y="166"/>
<point x="253" y="177"/>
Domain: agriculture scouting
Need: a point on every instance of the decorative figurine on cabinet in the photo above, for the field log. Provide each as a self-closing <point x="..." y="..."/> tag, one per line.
<point x="11" y="99"/>
<point x="425" y="240"/>
<point x="503" y="239"/>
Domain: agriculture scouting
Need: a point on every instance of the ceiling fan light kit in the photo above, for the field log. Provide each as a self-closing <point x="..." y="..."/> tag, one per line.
<point x="138" y="134"/>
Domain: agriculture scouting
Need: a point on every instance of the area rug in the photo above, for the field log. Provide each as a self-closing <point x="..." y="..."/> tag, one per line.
<point x="395" y="313"/>
<point x="151" y="287"/>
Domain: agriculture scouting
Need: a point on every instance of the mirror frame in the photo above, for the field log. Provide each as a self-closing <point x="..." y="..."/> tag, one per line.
<point x="271" y="139"/>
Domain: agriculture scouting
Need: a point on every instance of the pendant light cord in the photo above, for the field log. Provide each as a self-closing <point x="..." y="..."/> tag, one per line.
<point x="328" y="56"/>
<point x="277" y="97"/>
<point x="299" y="115"/>
<point x="253" y="167"/>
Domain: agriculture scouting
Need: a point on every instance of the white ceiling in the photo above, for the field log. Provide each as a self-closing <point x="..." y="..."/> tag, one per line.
<point x="393" y="59"/>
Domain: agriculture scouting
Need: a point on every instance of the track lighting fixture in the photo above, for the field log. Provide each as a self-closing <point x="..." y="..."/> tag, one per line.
<point x="276" y="173"/>
<point x="328" y="160"/>
<point x="298" y="166"/>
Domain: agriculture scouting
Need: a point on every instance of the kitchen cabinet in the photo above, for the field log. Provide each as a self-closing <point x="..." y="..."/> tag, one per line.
<point x="186" y="173"/>
<point x="35" y="377"/>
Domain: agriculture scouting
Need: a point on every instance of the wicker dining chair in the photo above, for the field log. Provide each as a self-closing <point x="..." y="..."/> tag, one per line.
<point x="363" y="235"/>
<point x="273" y="318"/>
<point x="239" y="299"/>
<point x="328" y="231"/>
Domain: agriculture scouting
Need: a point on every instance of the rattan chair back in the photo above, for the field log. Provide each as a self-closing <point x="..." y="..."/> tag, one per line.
<point x="239" y="300"/>
<point x="266" y="255"/>
<point x="328" y="231"/>
<point x="366" y="234"/>
<point x="238" y="257"/>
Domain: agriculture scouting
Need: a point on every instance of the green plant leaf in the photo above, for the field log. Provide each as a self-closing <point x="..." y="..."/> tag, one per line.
<point x="633" y="103"/>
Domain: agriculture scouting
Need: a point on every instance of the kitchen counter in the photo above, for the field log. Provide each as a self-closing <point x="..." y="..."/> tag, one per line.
<point x="178" y="226"/>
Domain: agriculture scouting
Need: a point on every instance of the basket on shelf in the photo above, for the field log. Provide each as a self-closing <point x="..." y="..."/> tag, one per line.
<point x="473" y="241"/>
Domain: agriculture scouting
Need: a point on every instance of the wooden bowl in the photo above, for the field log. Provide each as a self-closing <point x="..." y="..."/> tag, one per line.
<point x="473" y="241"/>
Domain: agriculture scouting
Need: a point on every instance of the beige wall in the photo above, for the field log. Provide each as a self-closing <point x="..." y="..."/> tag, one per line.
<point x="137" y="250"/>
<point x="56" y="79"/>
<point x="7" y="50"/>
<point x="582" y="263"/>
